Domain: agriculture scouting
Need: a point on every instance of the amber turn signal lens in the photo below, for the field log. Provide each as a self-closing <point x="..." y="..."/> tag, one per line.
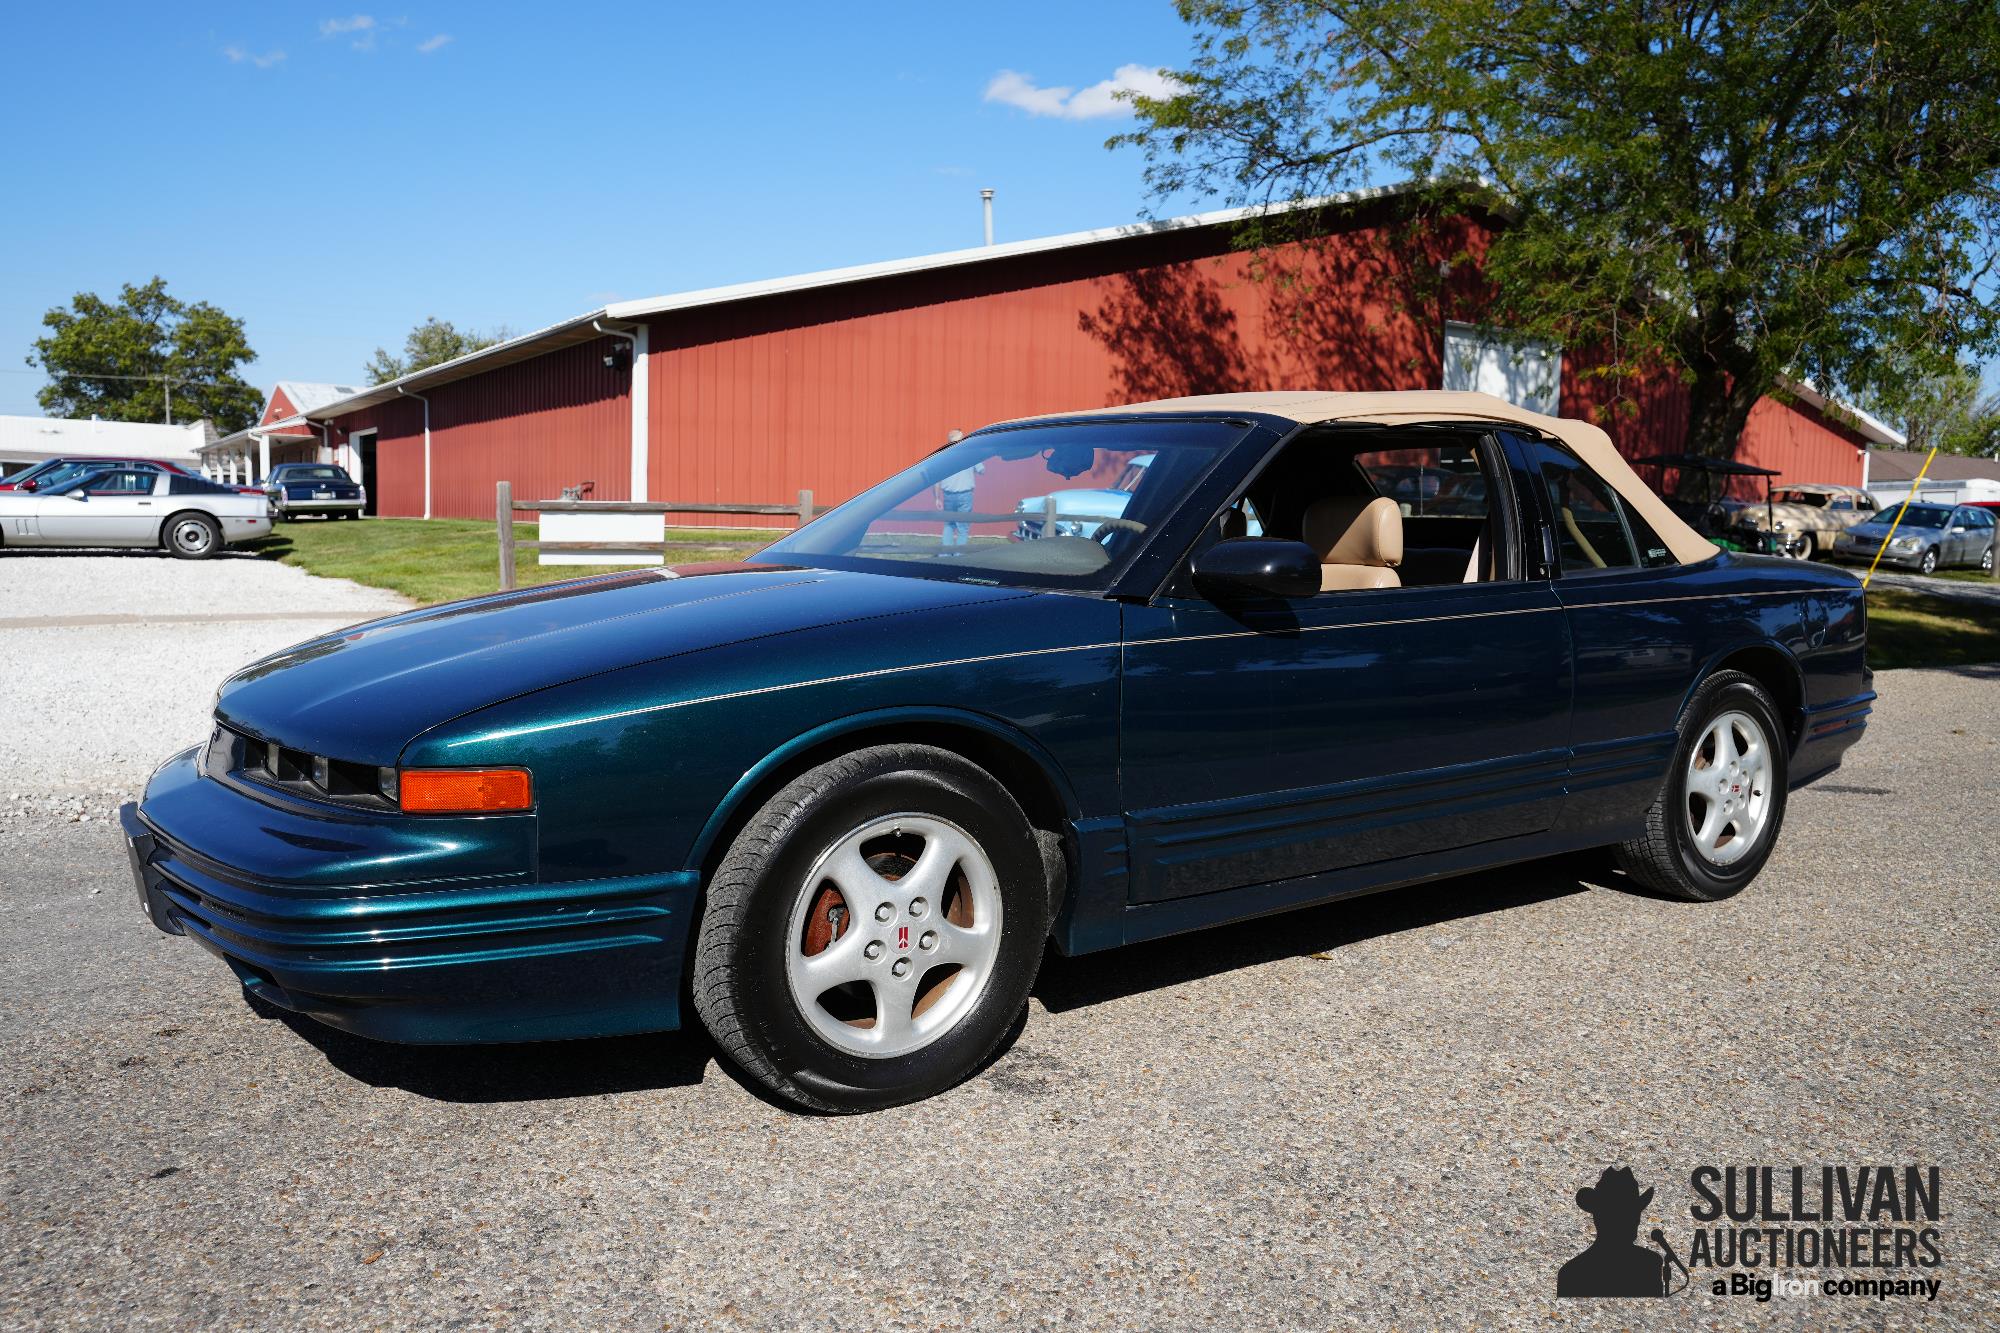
<point x="464" y="791"/>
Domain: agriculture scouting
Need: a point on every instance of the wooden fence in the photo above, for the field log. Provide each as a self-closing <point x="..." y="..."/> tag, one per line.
<point x="506" y="506"/>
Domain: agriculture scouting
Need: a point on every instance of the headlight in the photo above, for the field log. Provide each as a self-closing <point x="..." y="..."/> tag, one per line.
<point x="1906" y="543"/>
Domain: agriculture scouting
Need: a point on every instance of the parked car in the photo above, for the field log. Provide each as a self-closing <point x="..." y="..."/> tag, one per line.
<point x="1079" y="511"/>
<point x="191" y="517"/>
<point x="51" y="471"/>
<point x="1927" y="537"/>
<point x="844" y="793"/>
<point x="301" y="489"/>
<point x="1806" y="518"/>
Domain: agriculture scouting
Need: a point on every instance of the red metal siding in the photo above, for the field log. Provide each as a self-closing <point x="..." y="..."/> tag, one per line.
<point x="834" y="390"/>
<point x="543" y="424"/>
<point x="1802" y="443"/>
<point x="399" y="456"/>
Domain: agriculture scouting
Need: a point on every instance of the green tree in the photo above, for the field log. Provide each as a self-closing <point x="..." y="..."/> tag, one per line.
<point x="1739" y="190"/>
<point x="1952" y="412"/>
<point x="124" y="361"/>
<point x="431" y="343"/>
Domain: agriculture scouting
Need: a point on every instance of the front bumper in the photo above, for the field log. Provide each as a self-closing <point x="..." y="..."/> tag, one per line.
<point x="1864" y="551"/>
<point x="321" y="914"/>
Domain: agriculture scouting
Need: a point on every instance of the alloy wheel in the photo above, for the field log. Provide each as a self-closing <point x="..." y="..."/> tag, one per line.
<point x="895" y="934"/>
<point x="1728" y="788"/>
<point x="192" y="536"/>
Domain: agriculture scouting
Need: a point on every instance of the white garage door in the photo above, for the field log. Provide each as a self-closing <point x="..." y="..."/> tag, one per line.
<point x="1525" y="371"/>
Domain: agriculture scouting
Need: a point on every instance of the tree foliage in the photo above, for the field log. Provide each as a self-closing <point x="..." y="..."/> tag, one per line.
<point x="1950" y="412"/>
<point x="431" y="343"/>
<point x="121" y="361"/>
<point x="1740" y="190"/>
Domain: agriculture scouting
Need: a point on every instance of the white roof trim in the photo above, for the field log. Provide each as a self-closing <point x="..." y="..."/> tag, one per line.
<point x="834" y="277"/>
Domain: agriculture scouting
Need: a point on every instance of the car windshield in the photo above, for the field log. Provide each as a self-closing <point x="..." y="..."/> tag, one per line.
<point x="1914" y="516"/>
<point x="81" y="478"/>
<point x="314" y="473"/>
<point x="1005" y="506"/>
<point x="58" y="477"/>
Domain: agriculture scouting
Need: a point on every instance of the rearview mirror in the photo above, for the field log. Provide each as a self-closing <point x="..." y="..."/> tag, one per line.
<point x="1257" y="567"/>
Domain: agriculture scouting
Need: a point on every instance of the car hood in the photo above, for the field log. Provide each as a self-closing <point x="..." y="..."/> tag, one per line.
<point x="362" y="693"/>
<point x="1878" y="531"/>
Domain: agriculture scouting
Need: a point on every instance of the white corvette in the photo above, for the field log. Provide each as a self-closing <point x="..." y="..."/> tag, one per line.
<point x="115" y="506"/>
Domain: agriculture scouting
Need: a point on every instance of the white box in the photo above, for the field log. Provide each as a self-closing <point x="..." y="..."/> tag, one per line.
<point x="638" y="529"/>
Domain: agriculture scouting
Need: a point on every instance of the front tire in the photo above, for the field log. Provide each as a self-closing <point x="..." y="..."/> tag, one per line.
<point x="192" y="536"/>
<point x="1929" y="563"/>
<point x="1716" y="819"/>
<point x="872" y="933"/>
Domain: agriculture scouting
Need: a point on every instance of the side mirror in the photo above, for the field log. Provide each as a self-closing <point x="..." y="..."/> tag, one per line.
<point x="80" y="493"/>
<point x="1257" y="567"/>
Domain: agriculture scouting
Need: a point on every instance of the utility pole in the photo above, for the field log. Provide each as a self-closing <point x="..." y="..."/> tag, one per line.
<point x="986" y="204"/>
<point x="167" y="383"/>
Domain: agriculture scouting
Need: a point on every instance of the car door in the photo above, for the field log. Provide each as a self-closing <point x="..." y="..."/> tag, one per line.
<point x="1960" y="537"/>
<point x="1643" y="627"/>
<point x="1267" y="742"/>
<point x="114" y="508"/>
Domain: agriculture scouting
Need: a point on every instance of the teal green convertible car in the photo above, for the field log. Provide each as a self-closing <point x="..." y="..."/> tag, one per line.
<point x="840" y="798"/>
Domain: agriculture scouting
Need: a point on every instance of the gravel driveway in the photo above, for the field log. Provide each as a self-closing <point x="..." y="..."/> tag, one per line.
<point x="1370" y="1115"/>
<point x="110" y="662"/>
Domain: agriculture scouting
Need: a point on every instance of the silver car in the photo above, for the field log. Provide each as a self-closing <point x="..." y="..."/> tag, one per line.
<point x="1927" y="537"/>
<point x="191" y="517"/>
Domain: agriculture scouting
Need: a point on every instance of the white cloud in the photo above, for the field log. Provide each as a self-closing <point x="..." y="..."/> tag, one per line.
<point x="1092" y="103"/>
<point x="437" y="43"/>
<point x="359" y="26"/>
<point x="236" y="55"/>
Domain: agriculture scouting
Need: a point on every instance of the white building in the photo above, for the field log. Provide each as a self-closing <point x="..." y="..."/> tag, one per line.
<point x="25" y="441"/>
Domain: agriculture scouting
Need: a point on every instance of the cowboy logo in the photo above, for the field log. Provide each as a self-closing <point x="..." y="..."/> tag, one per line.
<point x="1615" y="1264"/>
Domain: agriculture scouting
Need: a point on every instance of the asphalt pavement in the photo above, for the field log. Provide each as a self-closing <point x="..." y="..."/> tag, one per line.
<point x="1375" y="1114"/>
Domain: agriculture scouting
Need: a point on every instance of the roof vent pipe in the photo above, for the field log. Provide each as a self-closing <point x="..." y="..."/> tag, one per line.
<point x="986" y="205"/>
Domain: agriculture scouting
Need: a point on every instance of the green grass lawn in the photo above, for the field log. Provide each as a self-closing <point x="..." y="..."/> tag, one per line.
<point x="442" y="559"/>
<point x="1911" y="629"/>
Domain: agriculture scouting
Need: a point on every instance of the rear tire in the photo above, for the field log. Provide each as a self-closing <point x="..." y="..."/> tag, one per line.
<point x="1717" y="817"/>
<point x="828" y="964"/>
<point x="192" y="536"/>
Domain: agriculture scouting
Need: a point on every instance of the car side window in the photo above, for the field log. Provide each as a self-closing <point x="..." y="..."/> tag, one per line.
<point x="1841" y="502"/>
<point x="124" y="482"/>
<point x="1590" y="528"/>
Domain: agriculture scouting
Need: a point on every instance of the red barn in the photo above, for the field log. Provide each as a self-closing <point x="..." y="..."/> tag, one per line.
<point x="830" y="381"/>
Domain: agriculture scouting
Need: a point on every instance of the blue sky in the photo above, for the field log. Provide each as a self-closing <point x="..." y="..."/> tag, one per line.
<point x="334" y="175"/>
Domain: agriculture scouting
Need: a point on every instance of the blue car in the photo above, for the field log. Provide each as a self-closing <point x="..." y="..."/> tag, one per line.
<point x="299" y="490"/>
<point x="837" y="799"/>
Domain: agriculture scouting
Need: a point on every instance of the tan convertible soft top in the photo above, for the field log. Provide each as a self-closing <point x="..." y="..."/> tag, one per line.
<point x="1408" y="407"/>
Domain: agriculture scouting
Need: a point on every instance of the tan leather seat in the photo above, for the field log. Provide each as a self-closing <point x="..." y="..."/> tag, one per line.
<point x="1360" y="542"/>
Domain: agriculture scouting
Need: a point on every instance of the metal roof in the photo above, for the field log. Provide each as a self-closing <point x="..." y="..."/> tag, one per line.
<point x="306" y="395"/>
<point x="581" y="328"/>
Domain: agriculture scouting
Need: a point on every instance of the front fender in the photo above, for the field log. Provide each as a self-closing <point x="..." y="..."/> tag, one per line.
<point x="857" y="729"/>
